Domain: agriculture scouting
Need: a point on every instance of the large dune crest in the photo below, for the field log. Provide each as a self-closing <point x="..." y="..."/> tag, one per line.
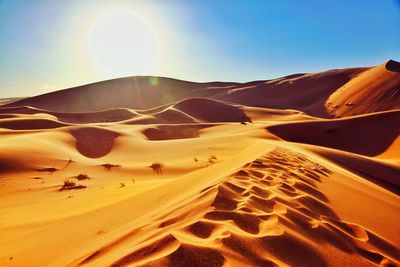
<point x="301" y="170"/>
<point x="376" y="89"/>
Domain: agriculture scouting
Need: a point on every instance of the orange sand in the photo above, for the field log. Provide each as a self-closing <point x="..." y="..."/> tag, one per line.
<point x="178" y="173"/>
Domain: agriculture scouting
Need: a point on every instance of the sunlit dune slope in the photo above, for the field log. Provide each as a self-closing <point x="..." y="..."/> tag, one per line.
<point x="304" y="92"/>
<point x="376" y="89"/>
<point x="160" y="172"/>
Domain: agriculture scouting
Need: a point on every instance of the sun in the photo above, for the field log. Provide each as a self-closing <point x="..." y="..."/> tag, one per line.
<point x="123" y="43"/>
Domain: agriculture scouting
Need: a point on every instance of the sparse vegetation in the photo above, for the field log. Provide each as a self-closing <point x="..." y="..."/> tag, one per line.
<point x="212" y="159"/>
<point x="69" y="162"/>
<point x="195" y="159"/>
<point x="122" y="184"/>
<point x="109" y="166"/>
<point x="70" y="184"/>
<point x="157" y="167"/>
<point x="82" y="176"/>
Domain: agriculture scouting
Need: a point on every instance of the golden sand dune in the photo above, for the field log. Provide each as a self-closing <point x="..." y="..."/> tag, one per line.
<point x="160" y="172"/>
<point x="374" y="90"/>
<point x="338" y="93"/>
<point x="130" y="92"/>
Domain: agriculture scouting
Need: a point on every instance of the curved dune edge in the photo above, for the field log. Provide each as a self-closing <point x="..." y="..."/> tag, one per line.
<point x="186" y="111"/>
<point x="268" y="213"/>
<point x="104" y="116"/>
<point x="210" y="110"/>
<point x="368" y="135"/>
<point x="30" y="124"/>
<point x="376" y="89"/>
<point x="378" y="172"/>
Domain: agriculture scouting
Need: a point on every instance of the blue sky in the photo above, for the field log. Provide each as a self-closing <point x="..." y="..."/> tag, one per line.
<point x="45" y="45"/>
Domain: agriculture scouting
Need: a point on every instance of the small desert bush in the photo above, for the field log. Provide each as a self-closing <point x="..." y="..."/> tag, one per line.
<point x="69" y="184"/>
<point x="157" y="167"/>
<point x="212" y="159"/>
<point x="82" y="176"/>
<point x="109" y="166"/>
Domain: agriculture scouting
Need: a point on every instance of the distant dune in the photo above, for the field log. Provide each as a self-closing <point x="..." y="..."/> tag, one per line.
<point x="302" y="170"/>
<point x="335" y="93"/>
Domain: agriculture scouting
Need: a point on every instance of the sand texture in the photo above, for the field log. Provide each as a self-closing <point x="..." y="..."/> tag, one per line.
<point x="302" y="170"/>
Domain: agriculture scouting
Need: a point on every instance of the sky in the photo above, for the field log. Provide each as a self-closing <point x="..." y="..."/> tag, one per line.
<point x="47" y="45"/>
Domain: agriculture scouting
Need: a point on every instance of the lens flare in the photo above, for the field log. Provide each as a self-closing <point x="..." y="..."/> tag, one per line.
<point x="153" y="80"/>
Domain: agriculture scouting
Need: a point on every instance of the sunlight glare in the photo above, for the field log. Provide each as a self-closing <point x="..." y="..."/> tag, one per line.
<point x="123" y="43"/>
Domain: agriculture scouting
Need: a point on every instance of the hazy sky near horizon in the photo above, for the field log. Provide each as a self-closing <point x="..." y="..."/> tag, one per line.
<point x="46" y="45"/>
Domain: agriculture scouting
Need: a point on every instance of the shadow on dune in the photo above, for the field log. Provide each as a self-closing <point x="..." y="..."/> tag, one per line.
<point x="111" y="115"/>
<point x="93" y="142"/>
<point x="30" y="124"/>
<point x="209" y="110"/>
<point x="380" y="173"/>
<point x="392" y="65"/>
<point x="170" y="132"/>
<point x="368" y="135"/>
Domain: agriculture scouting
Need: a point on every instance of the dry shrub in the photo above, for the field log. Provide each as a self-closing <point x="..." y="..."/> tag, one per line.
<point x="69" y="184"/>
<point x="82" y="176"/>
<point x="157" y="167"/>
<point x="109" y="166"/>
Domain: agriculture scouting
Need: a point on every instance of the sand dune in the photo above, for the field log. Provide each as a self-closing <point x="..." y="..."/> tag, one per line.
<point x="374" y="90"/>
<point x="211" y="110"/>
<point x="335" y="93"/>
<point x="163" y="172"/>
<point x="131" y="92"/>
<point x="29" y="124"/>
<point x="368" y="135"/>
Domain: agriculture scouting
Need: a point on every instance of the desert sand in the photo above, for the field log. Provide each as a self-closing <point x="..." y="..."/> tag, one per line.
<point x="302" y="170"/>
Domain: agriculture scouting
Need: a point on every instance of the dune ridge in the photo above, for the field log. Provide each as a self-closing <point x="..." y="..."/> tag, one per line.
<point x="269" y="203"/>
<point x="379" y="87"/>
<point x="301" y="170"/>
